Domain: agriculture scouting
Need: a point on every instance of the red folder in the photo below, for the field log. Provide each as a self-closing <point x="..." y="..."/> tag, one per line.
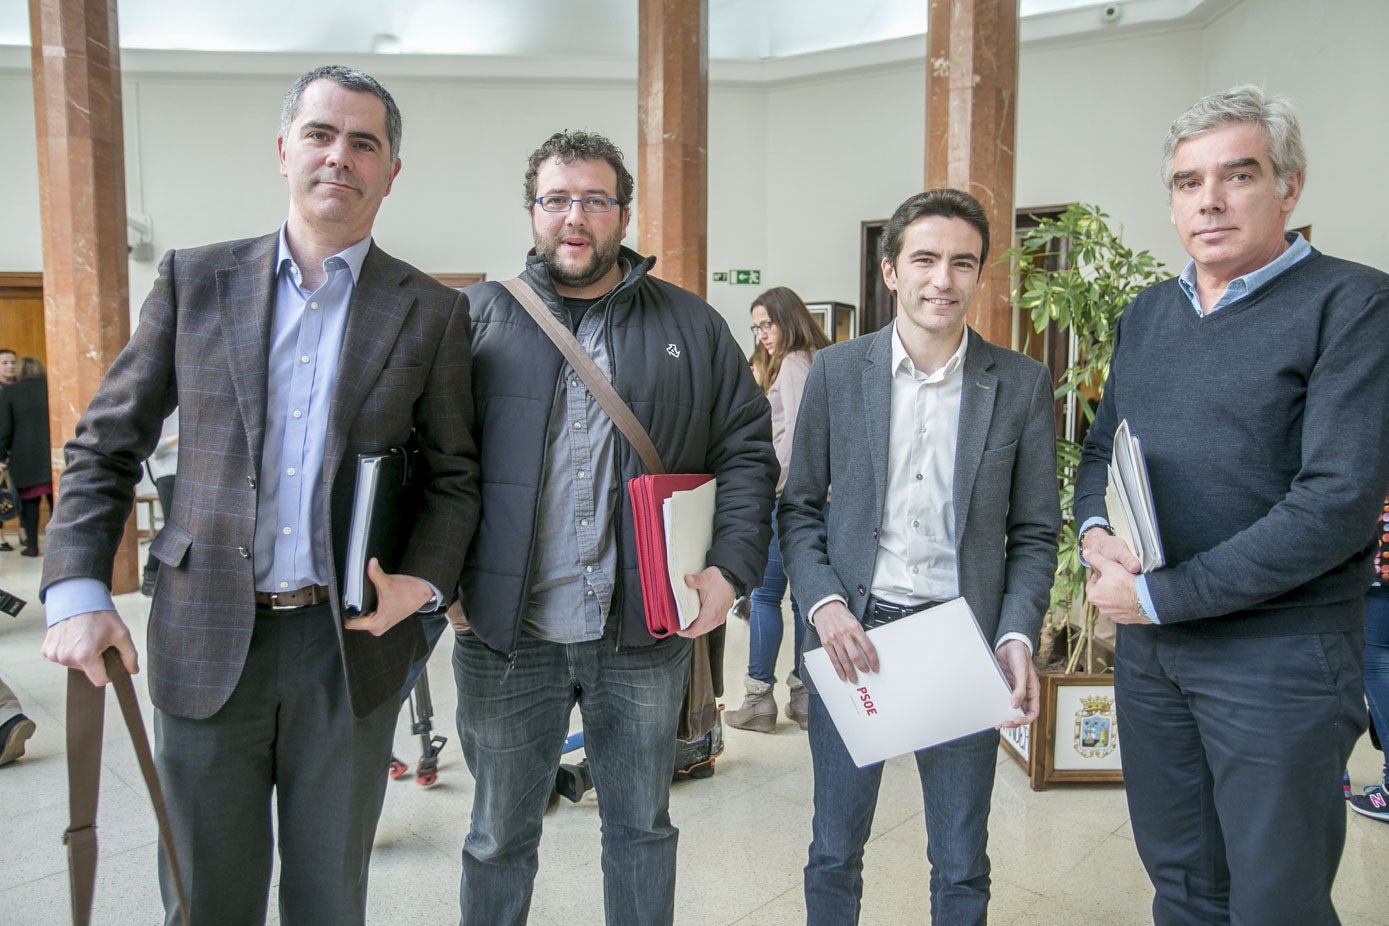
<point x="648" y="493"/>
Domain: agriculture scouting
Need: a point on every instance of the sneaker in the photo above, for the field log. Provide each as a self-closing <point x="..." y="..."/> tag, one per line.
<point x="12" y="737"/>
<point x="5" y="547"/>
<point x="1374" y="803"/>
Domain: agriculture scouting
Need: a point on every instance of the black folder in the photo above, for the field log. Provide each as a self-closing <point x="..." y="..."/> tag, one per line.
<point x="381" y="517"/>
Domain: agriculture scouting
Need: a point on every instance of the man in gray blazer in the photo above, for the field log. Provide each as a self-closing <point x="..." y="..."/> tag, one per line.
<point x="940" y="448"/>
<point x="287" y="356"/>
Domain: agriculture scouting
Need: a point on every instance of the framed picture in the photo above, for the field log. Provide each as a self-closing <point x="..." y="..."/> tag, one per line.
<point x="838" y="320"/>
<point x="459" y="280"/>
<point x="1076" y="735"/>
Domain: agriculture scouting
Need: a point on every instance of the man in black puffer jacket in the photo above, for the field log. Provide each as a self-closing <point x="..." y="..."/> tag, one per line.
<point x="550" y="611"/>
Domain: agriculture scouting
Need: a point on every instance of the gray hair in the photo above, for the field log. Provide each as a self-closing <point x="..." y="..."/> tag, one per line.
<point x="349" y="79"/>
<point x="1244" y="103"/>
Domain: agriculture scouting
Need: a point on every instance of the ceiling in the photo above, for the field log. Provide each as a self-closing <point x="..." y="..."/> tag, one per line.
<point x="739" y="30"/>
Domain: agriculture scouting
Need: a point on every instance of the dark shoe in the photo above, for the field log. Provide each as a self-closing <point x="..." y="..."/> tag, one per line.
<point x="573" y="780"/>
<point x="5" y="546"/>
<point x="1374" y="803"/>
<point x="12" y="736"/>
<point x="29" y="551"/>
<point x="695" y="758"/>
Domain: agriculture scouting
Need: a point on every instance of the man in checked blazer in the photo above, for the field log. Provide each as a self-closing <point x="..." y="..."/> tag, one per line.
<point x="940" y="448"/>
<point x="287" y="357"/>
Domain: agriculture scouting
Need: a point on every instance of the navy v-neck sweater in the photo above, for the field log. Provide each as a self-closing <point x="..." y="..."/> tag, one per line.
<point x="1266" y="431"/>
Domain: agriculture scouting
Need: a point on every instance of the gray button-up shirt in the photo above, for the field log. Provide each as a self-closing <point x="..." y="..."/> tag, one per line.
<point x="574" y="563"/>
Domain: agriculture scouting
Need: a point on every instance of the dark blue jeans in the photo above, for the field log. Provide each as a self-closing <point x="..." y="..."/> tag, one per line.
<point x="512" y="724"/>
<point x="764" y="617"/>
<point x="957" y="786"/>
<point x="1377" y="664"/>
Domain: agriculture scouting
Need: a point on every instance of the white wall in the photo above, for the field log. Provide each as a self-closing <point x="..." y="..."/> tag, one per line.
<point x="794" y="166"/>
<point x="1330" y="58"/>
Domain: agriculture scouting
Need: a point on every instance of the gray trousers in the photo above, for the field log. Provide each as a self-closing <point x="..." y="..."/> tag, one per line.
<point x="285" y="739"/>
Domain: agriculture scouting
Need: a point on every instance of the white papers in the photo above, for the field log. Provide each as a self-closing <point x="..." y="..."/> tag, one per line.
<point x="689" y="518"/>
<point x="1129" y="499"/>
<point x="937" y="680"/>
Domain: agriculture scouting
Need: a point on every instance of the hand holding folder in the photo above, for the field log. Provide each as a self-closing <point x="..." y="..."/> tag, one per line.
<point x="673" y="516"/>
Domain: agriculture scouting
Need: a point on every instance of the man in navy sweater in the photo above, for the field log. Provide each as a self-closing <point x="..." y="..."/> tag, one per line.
<point x="1258" y="382"/>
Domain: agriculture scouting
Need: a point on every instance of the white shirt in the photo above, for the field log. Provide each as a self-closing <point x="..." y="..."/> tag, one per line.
<point x="915" y="560"/>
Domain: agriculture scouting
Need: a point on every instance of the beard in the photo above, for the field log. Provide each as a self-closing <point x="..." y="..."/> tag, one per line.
<point x="583" y="273"/>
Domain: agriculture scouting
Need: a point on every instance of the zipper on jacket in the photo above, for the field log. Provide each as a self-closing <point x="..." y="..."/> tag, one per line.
<point x="535" y="525"/>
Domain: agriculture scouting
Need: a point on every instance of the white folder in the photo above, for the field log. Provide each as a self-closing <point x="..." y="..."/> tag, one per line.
<point x="937" y="680"/>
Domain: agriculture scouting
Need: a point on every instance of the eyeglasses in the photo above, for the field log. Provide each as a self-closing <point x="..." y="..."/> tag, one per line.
<point x="556" y="202"/>
<point x="763" y="328"/>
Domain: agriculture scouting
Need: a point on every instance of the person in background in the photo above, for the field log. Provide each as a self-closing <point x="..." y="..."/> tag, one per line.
<point x="24" y="447"/>
<point x="8" y="362"/>
<point x="162" y="466"/>
<point x="787" y="339"/>
<point x="1374" y="802"/>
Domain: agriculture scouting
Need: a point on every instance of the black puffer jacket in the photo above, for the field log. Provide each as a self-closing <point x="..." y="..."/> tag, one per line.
<point x="675" y="362"/>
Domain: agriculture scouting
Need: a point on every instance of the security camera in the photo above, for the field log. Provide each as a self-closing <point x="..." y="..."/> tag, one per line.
<point x="1111" y="14"/>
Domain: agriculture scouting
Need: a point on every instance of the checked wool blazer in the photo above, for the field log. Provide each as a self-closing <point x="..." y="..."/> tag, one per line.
<point x="202" y="345"/>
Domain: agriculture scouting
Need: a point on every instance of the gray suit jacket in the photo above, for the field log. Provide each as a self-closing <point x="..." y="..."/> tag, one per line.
<point x="1007" y="511"/>
<point x="202" y="345"/>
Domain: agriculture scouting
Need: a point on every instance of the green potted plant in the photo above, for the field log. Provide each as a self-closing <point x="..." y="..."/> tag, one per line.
<point x="1075" y="276"/>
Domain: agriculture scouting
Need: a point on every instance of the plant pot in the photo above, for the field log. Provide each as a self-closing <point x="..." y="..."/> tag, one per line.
<point x="1075" y="736"/>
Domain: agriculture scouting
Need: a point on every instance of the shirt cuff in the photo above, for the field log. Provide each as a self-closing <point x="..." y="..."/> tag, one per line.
<point x="78" y="595"/>
<point x="433" y="604"/>
<point x="1145" y="599"/>
<point x="810" y="615"/>
<point x="1089" y="523"/>
<point x="1013" y="636"/>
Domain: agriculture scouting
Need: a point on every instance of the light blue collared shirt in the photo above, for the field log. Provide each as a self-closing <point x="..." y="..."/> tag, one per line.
<point x="1239" y="288"/>
<point x="306" y="335"/>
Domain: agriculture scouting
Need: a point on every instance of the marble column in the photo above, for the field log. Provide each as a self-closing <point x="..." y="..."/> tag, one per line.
<point x="971" y="115"/>
<point x="77" y="108"/>
<point x="673" y="139"/>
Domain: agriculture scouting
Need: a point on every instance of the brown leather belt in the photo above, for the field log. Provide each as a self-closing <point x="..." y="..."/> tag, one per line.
<point x="287" y="601"/>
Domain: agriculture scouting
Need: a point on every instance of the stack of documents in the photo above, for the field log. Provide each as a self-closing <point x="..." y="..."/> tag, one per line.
<point x="1129" y="499"/>
<point x="674" y="520"/>
<point x="937" y="680"/>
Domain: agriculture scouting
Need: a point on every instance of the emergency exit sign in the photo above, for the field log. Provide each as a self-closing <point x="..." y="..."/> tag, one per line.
<point x="745" y="277"/>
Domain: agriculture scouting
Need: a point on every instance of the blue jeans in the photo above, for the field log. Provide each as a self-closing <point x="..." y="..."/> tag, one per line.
<point x="764" y="617"/>
<point x="512" y="724"/>
<point x="956" y="785"/>
<point x="1377" y="664"/>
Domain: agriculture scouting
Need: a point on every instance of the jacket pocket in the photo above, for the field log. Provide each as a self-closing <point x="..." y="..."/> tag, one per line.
<point x="171" y="545"/>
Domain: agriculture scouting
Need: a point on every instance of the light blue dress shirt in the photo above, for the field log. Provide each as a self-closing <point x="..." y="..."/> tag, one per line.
<point x="1239" y="288"/>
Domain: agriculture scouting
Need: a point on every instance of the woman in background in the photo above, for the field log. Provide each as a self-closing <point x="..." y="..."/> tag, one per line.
<point x="787" y="339"/>
<point x="24" y="446"/>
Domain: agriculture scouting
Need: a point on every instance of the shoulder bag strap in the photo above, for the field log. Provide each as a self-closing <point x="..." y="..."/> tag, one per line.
<point x="85" y="719"/>
<point x="608" y="399"/>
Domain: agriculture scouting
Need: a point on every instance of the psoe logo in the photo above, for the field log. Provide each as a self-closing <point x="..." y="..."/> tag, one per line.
<point x="867" y="700"/>
<point x="673" y="350"/>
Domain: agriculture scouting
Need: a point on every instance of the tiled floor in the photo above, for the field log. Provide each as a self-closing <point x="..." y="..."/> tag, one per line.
<point x="1063" y="856"/>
